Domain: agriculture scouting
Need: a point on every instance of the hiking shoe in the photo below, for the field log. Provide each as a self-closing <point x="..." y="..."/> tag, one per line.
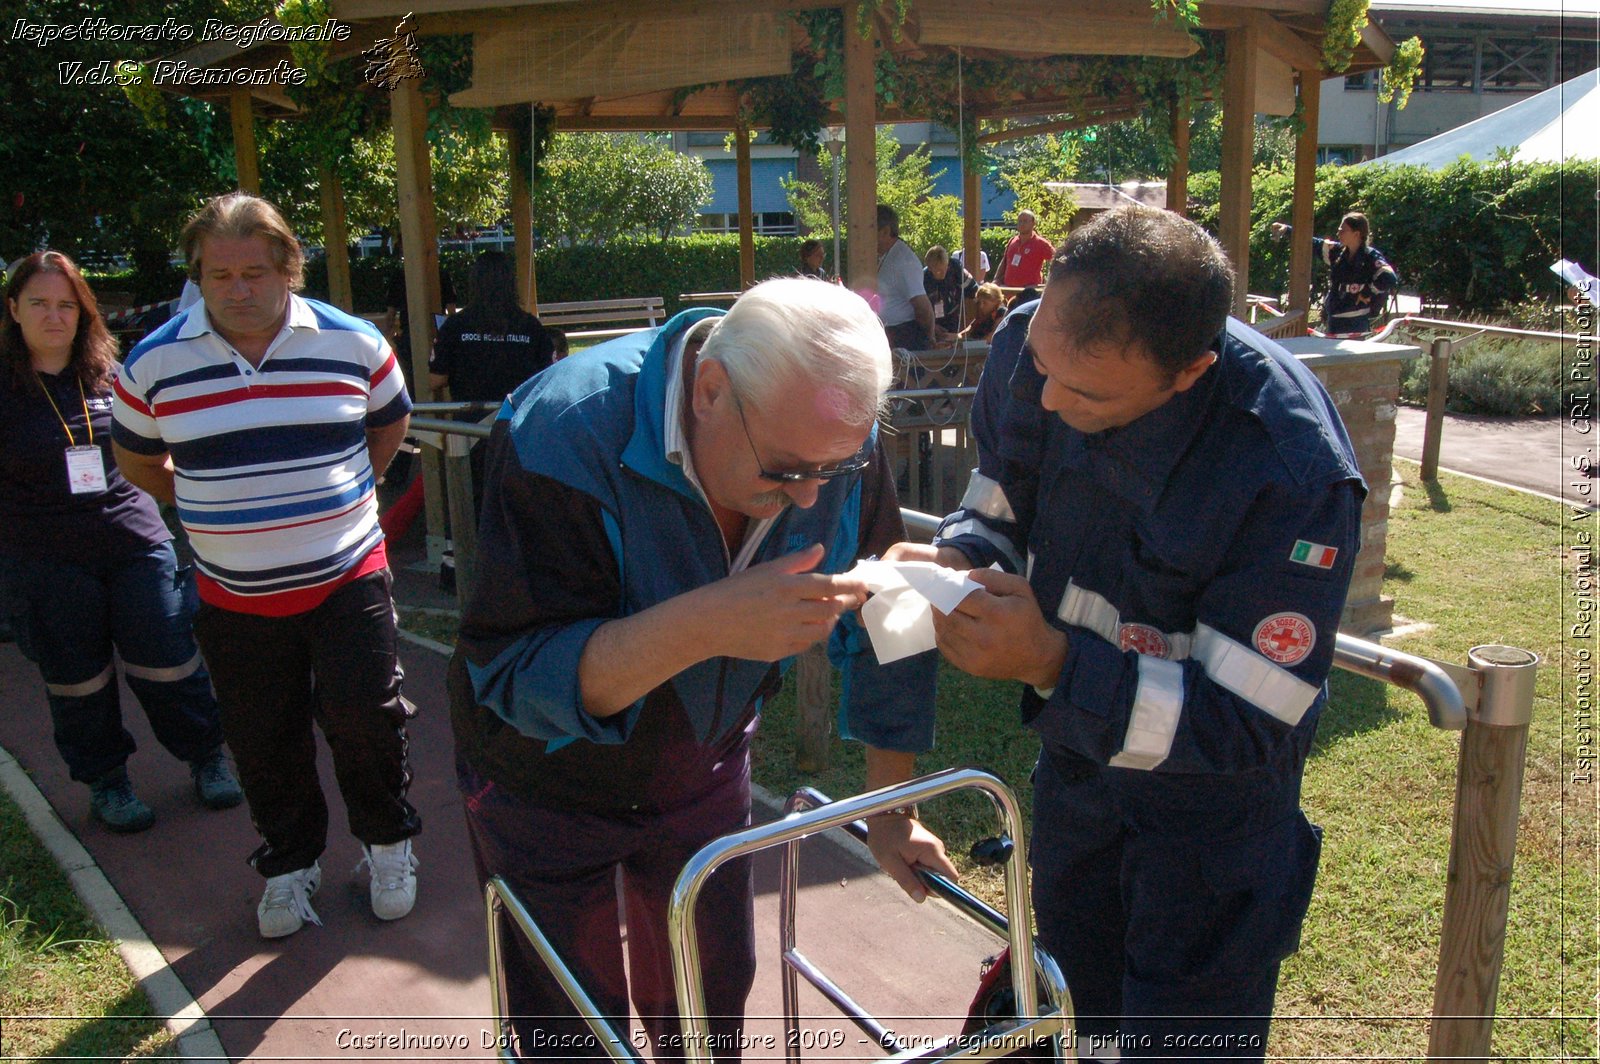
<point x="114" y="804"/>
<point x="214" y="784"/>
<point x="394" y="881"/>
<point x="286" y="905"/>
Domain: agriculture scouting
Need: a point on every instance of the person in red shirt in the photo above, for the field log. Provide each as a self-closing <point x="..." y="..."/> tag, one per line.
<point x="1022" y="266"/>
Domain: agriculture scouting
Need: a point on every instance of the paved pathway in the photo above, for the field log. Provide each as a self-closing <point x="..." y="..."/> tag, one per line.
<point x="1530" y="453"/>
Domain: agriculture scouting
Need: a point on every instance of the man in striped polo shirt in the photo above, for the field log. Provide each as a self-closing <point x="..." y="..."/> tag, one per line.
<point x="266" y="419"/>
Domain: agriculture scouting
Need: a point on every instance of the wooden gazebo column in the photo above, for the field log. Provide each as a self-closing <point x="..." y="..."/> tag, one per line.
<point x="747" y="229"/>
<point x="1302" y="214"/>
<point x="420" y="235"/>
<point x="244" y="141"/>
<point x="517" y="140"/>
<point x="1178" y="179"/>
<point x="972" y="219"/>
<point x="861" y="152"/>
<point x="1238" y="147"/>
<point x="336" y="240"/>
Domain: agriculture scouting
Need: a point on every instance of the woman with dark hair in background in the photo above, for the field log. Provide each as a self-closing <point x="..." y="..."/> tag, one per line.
<point x="1359" y="277"/>
<point x="86" y="563"/>
<point x="483" y="353"/>
<point x="811" y="261"/>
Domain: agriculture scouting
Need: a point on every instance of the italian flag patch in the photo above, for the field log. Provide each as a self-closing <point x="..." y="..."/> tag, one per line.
<point x="1316" y="555"/>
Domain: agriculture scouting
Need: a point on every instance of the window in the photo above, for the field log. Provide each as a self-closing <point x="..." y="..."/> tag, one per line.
<point x="703" y="139"/>
<point x="768" y="223"/>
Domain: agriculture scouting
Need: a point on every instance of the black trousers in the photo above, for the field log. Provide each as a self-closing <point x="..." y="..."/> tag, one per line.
<point x="337" y="665"/>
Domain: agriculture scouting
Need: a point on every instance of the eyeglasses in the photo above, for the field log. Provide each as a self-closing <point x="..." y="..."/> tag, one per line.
<point x="854" y="464"/>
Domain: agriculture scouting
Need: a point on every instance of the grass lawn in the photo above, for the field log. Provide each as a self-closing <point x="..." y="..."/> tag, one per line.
<point x="64" y="991"/>
<point x="1481" y="565"/>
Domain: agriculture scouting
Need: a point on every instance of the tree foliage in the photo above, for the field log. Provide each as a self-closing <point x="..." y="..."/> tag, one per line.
<point x="595" y="187"/>
<point x="1473" y="235"/>
<point x="905" y="182"/>
<point x="83" y="172"/>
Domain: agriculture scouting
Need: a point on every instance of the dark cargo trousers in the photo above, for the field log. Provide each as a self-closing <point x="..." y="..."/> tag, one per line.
<point x="336" y="665"/>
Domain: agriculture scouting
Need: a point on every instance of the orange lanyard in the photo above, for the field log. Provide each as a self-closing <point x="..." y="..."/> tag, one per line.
<point x="65" y="427"/>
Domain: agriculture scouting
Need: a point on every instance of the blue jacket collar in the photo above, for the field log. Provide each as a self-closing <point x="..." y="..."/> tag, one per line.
<point x="645" y="453"/>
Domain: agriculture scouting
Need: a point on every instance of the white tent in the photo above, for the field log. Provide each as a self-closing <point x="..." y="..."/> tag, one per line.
<point x="1560" y="123"/>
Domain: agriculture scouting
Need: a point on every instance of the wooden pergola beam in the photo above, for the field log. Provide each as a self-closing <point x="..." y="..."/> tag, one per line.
<point x="1238" y="147"/>
<point x="336" y="240"/>
<point x="1178" y="178"/>
<point x="1116" y="114"/>
<point x="861" y="157"/>
<point x="747" y="231"/>
<point x="517" y="139"/>
<point x="245" y="161"/>
<point x="420" y="235"/>
<point x="1303" y="212"/>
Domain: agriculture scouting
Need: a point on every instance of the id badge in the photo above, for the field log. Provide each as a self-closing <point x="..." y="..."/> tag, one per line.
<point x="86" y="470"/>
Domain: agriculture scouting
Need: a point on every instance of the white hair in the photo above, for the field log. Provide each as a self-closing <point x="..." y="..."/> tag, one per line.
<point x="797" y="332"/>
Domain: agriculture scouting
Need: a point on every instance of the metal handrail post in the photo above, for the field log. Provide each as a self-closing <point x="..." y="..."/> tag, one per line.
<point x="686" y="891"/>
<point x="1483" y="842"/>
<point x="502" y="901"/>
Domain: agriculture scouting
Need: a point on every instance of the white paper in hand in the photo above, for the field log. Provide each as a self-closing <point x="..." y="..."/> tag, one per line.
<point x="898" y="617"/>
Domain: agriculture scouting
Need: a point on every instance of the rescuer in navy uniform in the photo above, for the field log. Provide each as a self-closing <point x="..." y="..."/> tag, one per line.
<point x="1185" y="505"/>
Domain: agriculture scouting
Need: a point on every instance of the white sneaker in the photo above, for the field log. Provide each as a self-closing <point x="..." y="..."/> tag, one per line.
<point x="394" y="881"/>
<point x="286" y="905"/>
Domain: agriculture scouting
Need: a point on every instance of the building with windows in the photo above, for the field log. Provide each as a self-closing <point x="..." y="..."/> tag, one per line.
<point x="1481" y="56"/>
<point x="772" y="164"/>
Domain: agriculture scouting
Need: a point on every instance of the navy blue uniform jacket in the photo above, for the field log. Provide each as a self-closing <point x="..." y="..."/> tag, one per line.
<point x="1198" y="558"/>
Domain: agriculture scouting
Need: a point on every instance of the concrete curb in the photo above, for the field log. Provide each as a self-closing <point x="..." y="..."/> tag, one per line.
<point x="1499" y="483"/>
<point x="190" y="1026"/>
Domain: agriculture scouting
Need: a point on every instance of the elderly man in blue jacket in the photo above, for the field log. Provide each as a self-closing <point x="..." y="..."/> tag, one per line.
<point x="1181" y="507"/>
<point x="668" y="517"/>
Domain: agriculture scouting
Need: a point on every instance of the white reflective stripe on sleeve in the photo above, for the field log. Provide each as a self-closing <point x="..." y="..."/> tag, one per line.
<point x="974" y="527"/>
<point x="986" y="496"/>
<point x="1089" y="609"/>
<point x="1274" y="690"/>
<point x="1153" y="720"/>
<point x="1092" y="610"/>
<point x="170" y="674"/>
<point x="84" y="689"/>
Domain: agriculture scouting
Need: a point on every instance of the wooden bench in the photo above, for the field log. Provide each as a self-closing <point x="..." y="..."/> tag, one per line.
<point x="646" y="309"/>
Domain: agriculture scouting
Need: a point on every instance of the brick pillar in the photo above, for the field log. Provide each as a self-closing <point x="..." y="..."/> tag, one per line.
<point x="1364" y="380"/>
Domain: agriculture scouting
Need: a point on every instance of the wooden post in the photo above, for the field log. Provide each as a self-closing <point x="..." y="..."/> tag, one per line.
<point x="1178" y="180"/>
<point x="747" y="231"/>
<point x="811" y="676"/>
<point x="336" y="241"/>
<point x="1238" y="149"/>
<point x="972" y="220"/>
<point x="1438" y="393"/>
<point x="1482" y="848"/>
<point x="409" y="113"/>
<point x="522" y="217"/>
<point x="1303" y="214"/>
<point x="861" y="150"/>
<point x="463" y="515"/>
<point x="244" y="141"/>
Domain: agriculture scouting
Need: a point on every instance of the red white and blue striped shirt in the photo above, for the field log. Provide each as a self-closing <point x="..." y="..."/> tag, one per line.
<point x="274" y="484"/>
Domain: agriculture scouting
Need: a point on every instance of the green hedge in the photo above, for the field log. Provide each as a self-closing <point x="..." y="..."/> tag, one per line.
<point x="704" y="262"/>
<point x="1473" y="236"/>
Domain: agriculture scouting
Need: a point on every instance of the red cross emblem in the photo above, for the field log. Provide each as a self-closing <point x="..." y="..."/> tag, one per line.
<point x="1144" y="639"/>
<point x="1285" y="638"/>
